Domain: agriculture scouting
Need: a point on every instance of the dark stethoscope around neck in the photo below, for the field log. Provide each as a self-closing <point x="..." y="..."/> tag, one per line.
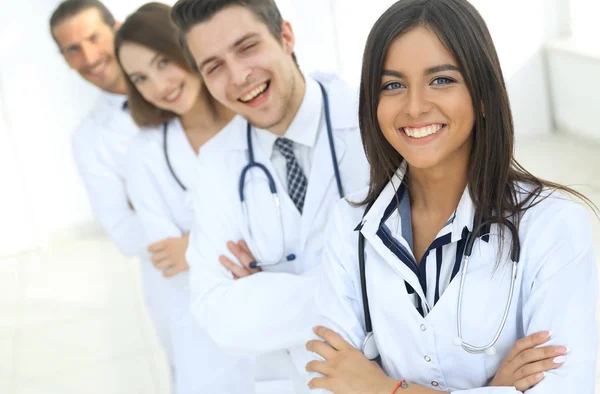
<point x="369" y="345"/>
<point x="165" y="149"/>
<point x="253" y="164"/>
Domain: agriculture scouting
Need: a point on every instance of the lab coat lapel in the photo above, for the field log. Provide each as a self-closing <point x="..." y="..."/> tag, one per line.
<point x="370" y="227"/>
<point x="321" y="183"/>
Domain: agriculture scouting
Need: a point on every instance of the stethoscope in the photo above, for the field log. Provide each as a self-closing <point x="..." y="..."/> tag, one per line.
<point x="261" y="260"/>
<point x="369" y="347"/>
<point x="165" y="130"/>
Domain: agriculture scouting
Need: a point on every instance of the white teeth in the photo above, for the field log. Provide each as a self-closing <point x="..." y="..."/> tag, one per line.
<point x="173" y="95"/>
<point x="98" y="68"/>
<point x="254" y="93"/>
<point x="422" y="131"/>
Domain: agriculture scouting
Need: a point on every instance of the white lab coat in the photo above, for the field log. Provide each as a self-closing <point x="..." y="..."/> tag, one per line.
<point x="272" y="310"/>
<point x="100" y="149"/>
<point x="198" y="365"/>
<point x="556" y="290"/>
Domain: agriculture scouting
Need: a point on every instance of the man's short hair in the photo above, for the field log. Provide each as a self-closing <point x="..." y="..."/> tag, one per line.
<point x="70" y="8"/>
<point x="188" y="13"/>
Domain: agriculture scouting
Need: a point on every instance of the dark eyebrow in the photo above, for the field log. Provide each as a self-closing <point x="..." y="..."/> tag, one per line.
<point x="238" y="42"/>
<point x="440" y="68"/>
<point x="244" y="38"/>
<point x="154" y="58"/>
<point x="77" y="44"/>
<point x="429" y="71"/>
<point x="392" y="73"/>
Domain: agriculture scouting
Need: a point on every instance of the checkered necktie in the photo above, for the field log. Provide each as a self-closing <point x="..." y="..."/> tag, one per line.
<point x="296" y="179"/>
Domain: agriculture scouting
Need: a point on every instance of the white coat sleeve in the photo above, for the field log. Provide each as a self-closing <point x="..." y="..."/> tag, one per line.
<point x="145" y="193"/>
<point x="338" y="300"/>
<point x="253" y="315"/>
<point x="562" y="284"/>
<point x="106" y="192"/>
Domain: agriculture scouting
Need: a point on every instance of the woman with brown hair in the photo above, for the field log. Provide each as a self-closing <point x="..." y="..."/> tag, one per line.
<point x="455" y="252"/>
<point x="177" y="116"/>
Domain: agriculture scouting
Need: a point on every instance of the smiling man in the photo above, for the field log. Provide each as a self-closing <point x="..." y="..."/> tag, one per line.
<point x="244" y="51"/>
<point x="84" y="32"/>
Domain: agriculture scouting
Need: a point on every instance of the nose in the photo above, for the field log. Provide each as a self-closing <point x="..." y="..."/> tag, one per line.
<point x="160" y="86"/>
<point x="89" y="53"/>
<point x="417" y="104"/>
<point x="239" y="73"/>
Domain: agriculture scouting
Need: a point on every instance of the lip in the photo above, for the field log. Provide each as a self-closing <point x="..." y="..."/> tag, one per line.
<point x="425" y="140"/>
<point x="100" y="73"/>
<point x="421" y="125"/>
<point x="260" y="99"/>
<point x="178" y="97"/>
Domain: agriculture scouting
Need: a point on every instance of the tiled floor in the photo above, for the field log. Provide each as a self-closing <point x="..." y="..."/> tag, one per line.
<point x="72" y="319"/>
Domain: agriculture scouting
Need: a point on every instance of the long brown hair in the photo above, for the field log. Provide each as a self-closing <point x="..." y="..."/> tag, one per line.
<point x="494" y="174"/>
<point x="151" y="27"/>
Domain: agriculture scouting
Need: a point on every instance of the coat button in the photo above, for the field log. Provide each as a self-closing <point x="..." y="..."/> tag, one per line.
<point x="427" y="358"/>
<point x="434" y="383"/>
<point x="423" y="328"/>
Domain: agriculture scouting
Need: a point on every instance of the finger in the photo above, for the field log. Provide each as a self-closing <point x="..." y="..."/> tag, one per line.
<point x="172" y="271"/>
<point x="319" y="367"/>
<point x="158" y="257"/>
<point x="529" y="381"/>
<point x="540" y="366"/>
<point x="538" y="354"/>
<point x="163" y="265"/>
<point x="235" y="269"/>
<point x="332" y="338"/>
<point x="320" y="383"/>
<point x="321" y="348"/>
<point x="157" y="246"/>
<point x="244" y="257"/>
<point x="527" y="342"/>
<point x="244" y="246"/>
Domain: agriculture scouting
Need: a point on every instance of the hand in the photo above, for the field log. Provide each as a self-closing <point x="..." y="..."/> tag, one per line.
<point x="345" y="369"/>
<point x="525" y="365"/>
<point x="169" y="255"/>
<point x="242" y="254"/>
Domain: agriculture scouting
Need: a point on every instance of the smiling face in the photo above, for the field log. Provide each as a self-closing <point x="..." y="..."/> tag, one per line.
<point x="160" y="81"/>
<point x="246" y="68"/>
<point x="425" y="109"/>
<point x="87" y="45"/>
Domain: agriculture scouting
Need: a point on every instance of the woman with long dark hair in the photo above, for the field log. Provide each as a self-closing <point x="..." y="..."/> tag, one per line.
<point x="177" y="116"/>
<point x="455" y="252"/>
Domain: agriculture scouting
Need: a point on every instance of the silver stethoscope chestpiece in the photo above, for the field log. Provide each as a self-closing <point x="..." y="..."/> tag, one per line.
<point x="369" y="347"/>
<point x="490" y="351"/>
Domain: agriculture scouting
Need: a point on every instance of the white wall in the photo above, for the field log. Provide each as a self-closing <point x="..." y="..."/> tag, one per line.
<point x="574" y="85"/>
<point x="584" y="20"/>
